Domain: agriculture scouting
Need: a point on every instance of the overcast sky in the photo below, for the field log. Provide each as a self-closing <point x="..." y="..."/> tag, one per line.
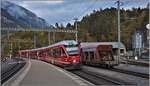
<point x="64" y="11"/>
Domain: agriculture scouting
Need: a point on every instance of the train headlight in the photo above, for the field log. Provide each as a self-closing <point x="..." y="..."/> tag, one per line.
<point x="74" y="61"/>
<point x="66" y="60"/>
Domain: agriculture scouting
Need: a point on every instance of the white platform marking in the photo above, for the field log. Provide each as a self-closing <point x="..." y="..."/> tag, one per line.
<point x="22" y="75"/>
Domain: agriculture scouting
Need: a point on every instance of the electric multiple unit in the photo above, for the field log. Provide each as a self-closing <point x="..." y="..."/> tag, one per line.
<point x="65" y="53"/>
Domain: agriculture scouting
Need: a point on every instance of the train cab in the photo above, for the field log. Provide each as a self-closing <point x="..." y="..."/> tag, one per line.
<point x="98" y="55"/>
<point x="65" y="54"/>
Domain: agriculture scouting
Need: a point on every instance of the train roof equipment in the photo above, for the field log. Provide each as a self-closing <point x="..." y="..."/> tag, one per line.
<point x="64" y="42"/>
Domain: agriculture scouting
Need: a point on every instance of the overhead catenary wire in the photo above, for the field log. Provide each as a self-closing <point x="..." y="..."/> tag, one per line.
<point x="80" y="14"/>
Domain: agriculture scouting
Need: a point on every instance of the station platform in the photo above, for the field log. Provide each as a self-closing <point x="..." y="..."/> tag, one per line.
<point x="39" y="73"/>
<point x="134" y="80"/>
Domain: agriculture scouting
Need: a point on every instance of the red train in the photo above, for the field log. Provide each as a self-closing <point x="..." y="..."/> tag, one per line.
<point x="65" y="54"/>
<point x="97" y="54"/>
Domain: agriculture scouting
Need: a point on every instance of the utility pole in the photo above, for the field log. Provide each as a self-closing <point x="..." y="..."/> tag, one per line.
<point x="19" y="47"/>
<point x="8" y="34"/>
<point x="148" y="27"/>
<point x="49" y="38"/>
<point x="7" y="42"/>
<point x="118" y="8"/>
<point x="76" y="29"/>
<point x="11" y="48"/>
<point x="54" y="37"/>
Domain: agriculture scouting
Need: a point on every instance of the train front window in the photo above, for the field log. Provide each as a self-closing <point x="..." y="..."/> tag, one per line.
<point x="106" y="55"/>
<point x="72" y="51"/>
<point x="71" y="45"/>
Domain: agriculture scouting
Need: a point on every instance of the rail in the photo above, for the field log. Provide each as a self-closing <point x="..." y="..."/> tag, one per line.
<point x="136" y="63"/>
<point x="99" y="79"/>
<point x="11" y="71"/>
<point x="138" y="74"/>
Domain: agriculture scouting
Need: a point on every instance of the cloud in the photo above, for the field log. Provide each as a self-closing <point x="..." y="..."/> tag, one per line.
<point x="43" y="2"/>
<point x="65" y="10"/>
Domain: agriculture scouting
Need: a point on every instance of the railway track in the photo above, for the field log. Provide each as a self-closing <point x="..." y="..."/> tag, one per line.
<point x="99" y="79"/>
<point x="136" y="63"/>
<point x="138" y="74"/>
<point x="11" y="71"/>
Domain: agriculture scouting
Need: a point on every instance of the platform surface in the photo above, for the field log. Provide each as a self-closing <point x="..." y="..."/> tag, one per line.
<point x="44" y="74"/>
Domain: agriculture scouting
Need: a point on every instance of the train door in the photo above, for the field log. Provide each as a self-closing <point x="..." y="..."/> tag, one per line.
<point x="38" y="55"/>
<point x="42" y="55"/>
<point x="91" y="57"/>
<point x="62" y="57"/>
<point x="58" y="55"/>
<point x="85" y="57"/>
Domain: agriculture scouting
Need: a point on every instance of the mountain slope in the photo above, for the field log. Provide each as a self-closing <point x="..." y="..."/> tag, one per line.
<point x="16" y="16"/>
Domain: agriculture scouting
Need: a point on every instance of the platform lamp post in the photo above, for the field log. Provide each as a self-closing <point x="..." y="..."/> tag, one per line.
<point x="34" y="39"/>
<point x="118" y="9"/>
<point x="18" y="46"/>
<point x="49" y="42"/>
<point x="148" y="27"/>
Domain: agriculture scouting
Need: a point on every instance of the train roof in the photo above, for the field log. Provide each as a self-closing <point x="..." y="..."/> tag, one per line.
<point x="94" y="44"/>
<point x="65" y="42"/>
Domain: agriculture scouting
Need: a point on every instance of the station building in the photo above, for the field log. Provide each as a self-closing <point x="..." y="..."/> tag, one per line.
<point x="140" y="42"/>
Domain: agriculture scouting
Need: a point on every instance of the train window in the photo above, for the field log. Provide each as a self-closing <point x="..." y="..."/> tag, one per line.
<point x="62" y="52"/>
<point x="50" y="53"/>
<point x="57" y="52"/>
<point x="71" y="45"/>
<point x="72" y="51"/>
<point x="121" y="50"/>
<point x="86" y="55"/>
<point x="54" y="52"/>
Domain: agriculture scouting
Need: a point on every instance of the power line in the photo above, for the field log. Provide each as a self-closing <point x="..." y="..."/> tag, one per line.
<point x="78" y="16"/>
<point x="38" y="30"/>
<point x="83" y="12"/>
